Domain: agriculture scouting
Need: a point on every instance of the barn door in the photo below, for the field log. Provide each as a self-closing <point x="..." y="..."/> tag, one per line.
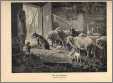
<point x="33" y="19"/>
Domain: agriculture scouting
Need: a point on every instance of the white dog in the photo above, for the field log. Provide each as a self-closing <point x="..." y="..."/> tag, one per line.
<point x="75" y="56"/>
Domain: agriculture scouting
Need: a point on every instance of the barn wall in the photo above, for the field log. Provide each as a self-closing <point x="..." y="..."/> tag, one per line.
<point x="67" y="19"/>
<point x="95" y="19"/>
<point x="15" y="8"/>
<point x="78" y="24"/>
<point x="33" y="19"/>
<point x="18" y="27"/>
<point x="60" y="17"/>
<point x="81" y="16"/>
<point x="47" y="22"/>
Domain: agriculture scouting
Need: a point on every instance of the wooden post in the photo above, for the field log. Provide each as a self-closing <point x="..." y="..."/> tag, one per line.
<point x="42" y="23"/>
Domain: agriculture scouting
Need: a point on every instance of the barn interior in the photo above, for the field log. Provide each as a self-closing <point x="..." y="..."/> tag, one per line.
<point x="43" y="17"/>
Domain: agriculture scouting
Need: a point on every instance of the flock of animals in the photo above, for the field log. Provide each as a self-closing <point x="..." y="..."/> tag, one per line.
<point x="84" y="49"/>
<point x="74" y="41"/>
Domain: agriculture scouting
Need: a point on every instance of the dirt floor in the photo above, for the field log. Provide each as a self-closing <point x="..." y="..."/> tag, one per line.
<point x="56" y="60"/>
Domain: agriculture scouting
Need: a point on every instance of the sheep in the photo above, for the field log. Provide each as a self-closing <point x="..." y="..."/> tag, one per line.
<point x="53" y="37"/>
<point x="81" y="43"/>
<point x="101" y="42"/>
<point x="57" y="37"/>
